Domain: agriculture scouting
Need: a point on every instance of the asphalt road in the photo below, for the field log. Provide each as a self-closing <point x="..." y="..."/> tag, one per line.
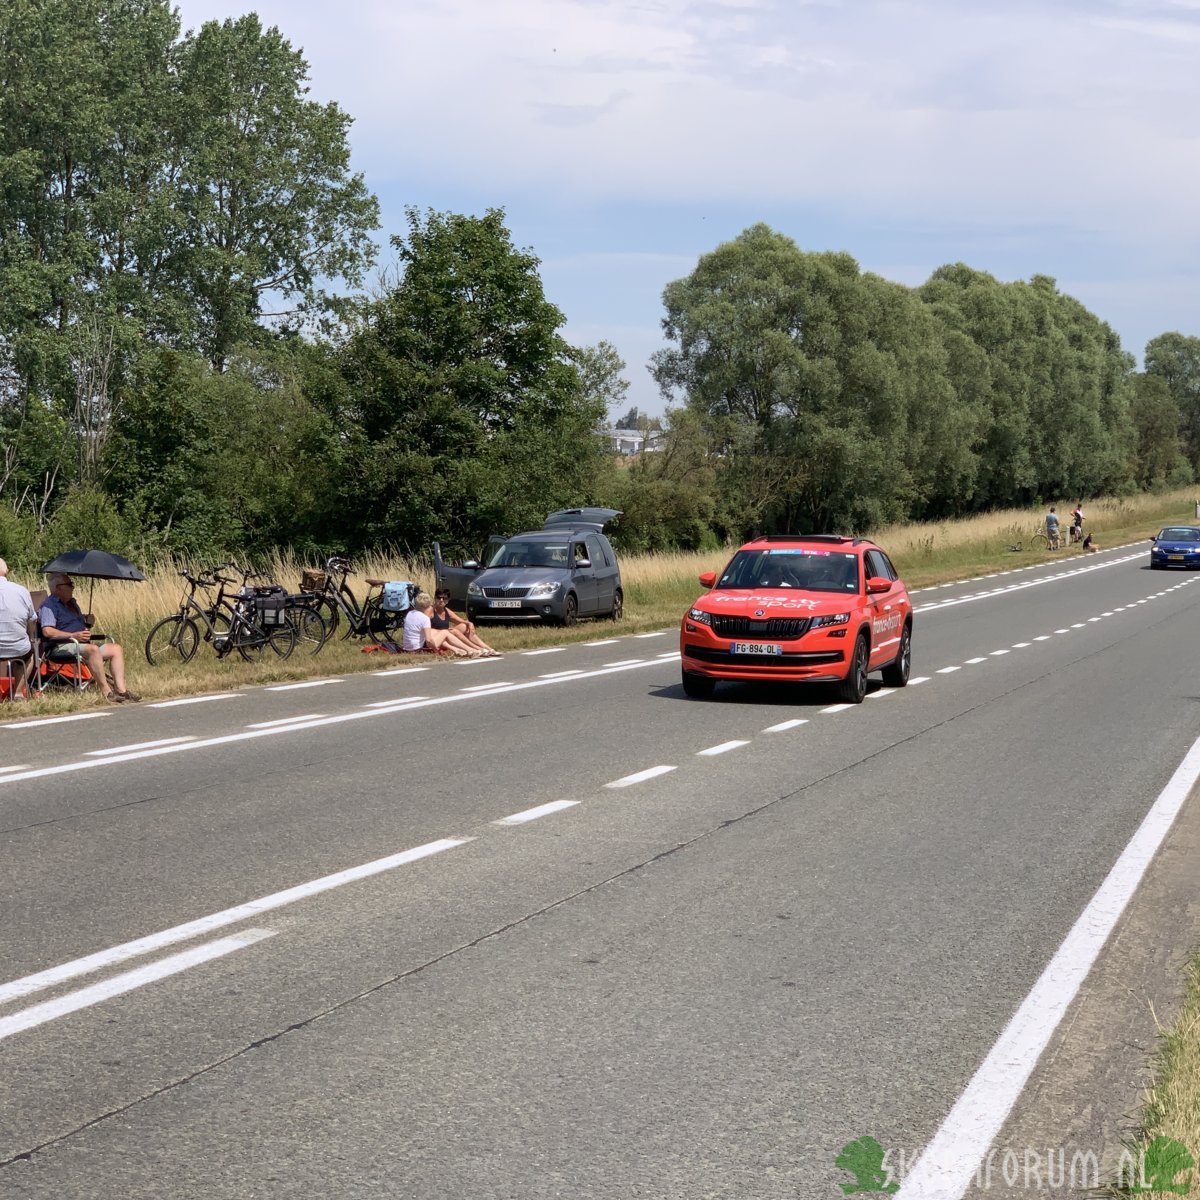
<point x="702" y="983"/>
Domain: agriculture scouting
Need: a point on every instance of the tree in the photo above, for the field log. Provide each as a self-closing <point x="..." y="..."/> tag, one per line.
<point x="1175" y="359"/>
<point x="460" y="404"/>
<point x="601" y="371"/>
<point x="1161" y="461"/>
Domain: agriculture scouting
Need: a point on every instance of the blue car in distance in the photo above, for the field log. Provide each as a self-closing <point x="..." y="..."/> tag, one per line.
<point x="1175" y="546"/>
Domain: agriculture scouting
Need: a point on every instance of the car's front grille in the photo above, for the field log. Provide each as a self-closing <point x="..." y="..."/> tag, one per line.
<point x="772" y="627"/>
<point x="506" y="593"/>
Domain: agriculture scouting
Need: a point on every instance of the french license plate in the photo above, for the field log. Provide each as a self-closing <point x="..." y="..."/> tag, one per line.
<point x="1175" y="557"/>
<point x="504" y="604"/>
<point x="755" y="648"/>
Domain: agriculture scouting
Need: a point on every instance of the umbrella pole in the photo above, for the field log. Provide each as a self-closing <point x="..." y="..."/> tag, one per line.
<point x="91" y="592"/>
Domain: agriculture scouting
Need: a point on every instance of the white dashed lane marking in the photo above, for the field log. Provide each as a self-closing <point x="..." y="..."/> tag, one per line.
<point x="795" y="723"/>
<point x="532" y="814"/>
<point x="639" y="776"/>
<point x="723" y="748"/>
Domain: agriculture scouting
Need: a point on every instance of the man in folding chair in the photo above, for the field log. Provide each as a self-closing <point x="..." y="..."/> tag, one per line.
<point x="18" y="624"/>
<point x="62" y="621"/>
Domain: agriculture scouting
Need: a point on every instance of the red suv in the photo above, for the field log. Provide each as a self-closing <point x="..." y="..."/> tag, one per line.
<point x="814" y="608"/>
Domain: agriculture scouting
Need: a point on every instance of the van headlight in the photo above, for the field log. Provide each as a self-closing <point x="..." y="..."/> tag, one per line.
<point x="473" y="589"/>
<point x="543" y="591"/>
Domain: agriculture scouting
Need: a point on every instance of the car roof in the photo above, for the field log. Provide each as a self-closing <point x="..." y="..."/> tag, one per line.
<point x="801" y="539"/>
<point x="560" y="533"/>
<point x="1189" y="528"/>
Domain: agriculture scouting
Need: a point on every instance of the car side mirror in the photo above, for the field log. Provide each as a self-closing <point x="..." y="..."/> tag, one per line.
<point x="583" y="563"/>
<point x="877" y="584"/>
<point x="708" y="579"/>
<point x="471" y="565"/>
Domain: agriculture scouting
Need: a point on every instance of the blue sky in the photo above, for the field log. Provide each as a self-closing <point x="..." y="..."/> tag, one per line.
<point x="625" y="138"/>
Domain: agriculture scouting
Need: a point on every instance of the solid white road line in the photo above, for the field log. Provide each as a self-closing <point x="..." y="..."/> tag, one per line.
<point x="192" y="700"/>
<point x="218" y="920"/>
<point x="398" y="671"/>
<point x="282" y="721"/>
<point x="562" y="674"/>
<point x="53" y="720"/>
<point x="532" y="814"/>
<point x="294" y="687"/>
<point x="603" y="642"/>
<point x="487" y="687"/>
<point x="551" y="650"/>
<point x="794" y="723"/>
<point x="627" y="662"/>
<point x="175" y="741"/>
<point x="656" y="633"/>
<point x="394" y="701"/>
<point x="723" y="748"/>
<point x="39" y="1014"/>
<point x="639" y="777"/>
<point x="947" y="1164"/>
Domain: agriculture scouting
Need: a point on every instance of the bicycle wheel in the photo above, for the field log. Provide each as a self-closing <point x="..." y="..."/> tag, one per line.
<point x="253" y="641"/>
<point x="384" y="626"/>
<point x="173" y="639"/>
<point x="1039" y="541"/>
<point x="311" y="630"/>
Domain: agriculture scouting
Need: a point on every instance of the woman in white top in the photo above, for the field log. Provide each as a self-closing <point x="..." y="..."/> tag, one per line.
<point x="419" y="633"/>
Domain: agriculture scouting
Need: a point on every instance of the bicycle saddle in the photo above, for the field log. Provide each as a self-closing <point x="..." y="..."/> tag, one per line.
<point x="374" y="582"/>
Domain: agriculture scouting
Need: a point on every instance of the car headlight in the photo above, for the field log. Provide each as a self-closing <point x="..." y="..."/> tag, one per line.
<point x="543" y="591"/>
<point x="698" y="614"/>
<point x="830" y="619"/>
<point x="473" y="589"/>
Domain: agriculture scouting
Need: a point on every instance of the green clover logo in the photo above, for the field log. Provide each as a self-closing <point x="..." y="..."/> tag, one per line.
<point x="864" y="1160"/>
<point x="1165" y="1158"/>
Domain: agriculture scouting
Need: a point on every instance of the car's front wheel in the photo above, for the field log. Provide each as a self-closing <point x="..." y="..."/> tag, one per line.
<point x="853" y="689"/>
<point x="698" y="687"/>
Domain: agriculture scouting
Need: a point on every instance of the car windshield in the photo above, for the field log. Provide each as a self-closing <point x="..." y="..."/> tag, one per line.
<point x="532" y="554"/>
<point x="809" y="570"/>
<point x="1181" y="533"/>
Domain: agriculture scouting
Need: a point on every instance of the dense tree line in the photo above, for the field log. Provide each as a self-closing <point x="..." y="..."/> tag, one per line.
<point x="188" y="363"/>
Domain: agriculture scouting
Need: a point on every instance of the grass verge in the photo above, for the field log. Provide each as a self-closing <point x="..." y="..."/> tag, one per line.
<point x="658" y="589"/>
<point x="1172" y="1107"/>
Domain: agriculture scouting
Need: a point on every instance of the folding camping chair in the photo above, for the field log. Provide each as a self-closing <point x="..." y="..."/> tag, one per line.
<point x="56" y="660"/>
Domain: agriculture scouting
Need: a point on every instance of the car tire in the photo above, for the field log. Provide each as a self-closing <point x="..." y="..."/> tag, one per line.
<point x="570" y="610"/>
<point x="698" y="687"/>
<point x="853" y="689"/>
<point x="895" y="674"/>
<point x="618" y="606"/>
<point x="1156" y="566"/>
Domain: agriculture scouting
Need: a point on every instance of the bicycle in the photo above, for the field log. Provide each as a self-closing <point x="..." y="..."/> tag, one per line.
<point x="335" y="600"/>
<point x="1041" y="540"/>
<point x="244" y="626"/>
<point x="312" y="631"/>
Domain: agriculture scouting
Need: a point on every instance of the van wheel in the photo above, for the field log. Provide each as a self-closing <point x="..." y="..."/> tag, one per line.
<point x="853" y="689"/>
<point x="618" y="608"/>
<point x="699" y="687"/>
<point x="895" y="674"/>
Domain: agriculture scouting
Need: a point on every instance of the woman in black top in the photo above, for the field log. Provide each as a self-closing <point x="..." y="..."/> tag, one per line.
<point x="443" y="617"/>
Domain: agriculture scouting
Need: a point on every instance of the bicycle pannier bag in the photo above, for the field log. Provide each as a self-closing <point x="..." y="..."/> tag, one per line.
<point x="398" y="596"/>
<point x="270" y="606"/>
<point x="312" y="581"/>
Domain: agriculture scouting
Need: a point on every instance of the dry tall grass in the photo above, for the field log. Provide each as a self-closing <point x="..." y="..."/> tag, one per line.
<point x="658" y="587"/>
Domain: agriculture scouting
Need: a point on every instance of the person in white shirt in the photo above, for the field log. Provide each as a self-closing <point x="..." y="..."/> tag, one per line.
<point x="419" y="633"/>
<point x="17" y="625"/>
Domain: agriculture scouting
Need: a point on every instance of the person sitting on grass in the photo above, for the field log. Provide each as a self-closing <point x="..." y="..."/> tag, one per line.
<point x="1090" y="546"/>
<point x="64" y="623"/>
<point x="444" y="617"/>
<point x="419" y="633"/>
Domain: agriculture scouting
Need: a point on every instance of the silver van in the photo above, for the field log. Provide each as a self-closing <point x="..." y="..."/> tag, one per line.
<point x="563" y="571"/>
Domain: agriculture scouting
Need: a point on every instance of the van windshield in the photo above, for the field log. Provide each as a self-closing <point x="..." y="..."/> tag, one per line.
<point x="532" y="554"/>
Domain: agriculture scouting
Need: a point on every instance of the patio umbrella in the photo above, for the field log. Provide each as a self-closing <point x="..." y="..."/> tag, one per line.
<point x="93" y="564"/>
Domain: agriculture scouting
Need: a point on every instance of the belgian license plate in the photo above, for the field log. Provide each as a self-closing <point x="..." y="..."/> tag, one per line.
<point x="1175" y="557"/>
<point x="504" y="604"/>
<point x="755" y="648"/>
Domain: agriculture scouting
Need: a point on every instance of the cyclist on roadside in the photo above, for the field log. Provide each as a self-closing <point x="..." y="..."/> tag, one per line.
<point x="1077" y="522"/>
<point x="1052" y="528"/>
